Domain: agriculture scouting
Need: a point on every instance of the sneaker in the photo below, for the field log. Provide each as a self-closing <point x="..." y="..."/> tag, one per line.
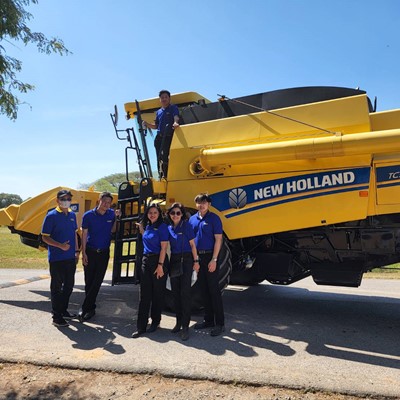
<point x="217" y="330"/>
<point x="138" y="333"/>
<point x="86" y="316"/>
<point x="60" y="322"/>
<point x="67" y="315"/>
<point x="203" y="325"/>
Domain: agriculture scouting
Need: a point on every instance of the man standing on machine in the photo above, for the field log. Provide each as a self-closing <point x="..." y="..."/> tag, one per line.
<point x="167" y="119"/>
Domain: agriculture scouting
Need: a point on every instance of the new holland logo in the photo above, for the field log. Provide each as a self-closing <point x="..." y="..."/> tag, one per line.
<point x="237" y="198"/>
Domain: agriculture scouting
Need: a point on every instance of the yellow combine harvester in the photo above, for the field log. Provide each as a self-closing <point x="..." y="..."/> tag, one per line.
<point x="305" y="180"/>
<point x="27" y="218"/>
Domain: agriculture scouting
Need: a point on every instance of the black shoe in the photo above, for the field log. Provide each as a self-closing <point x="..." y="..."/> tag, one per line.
<point x="60" y="322"/>
<point x="203" y="325"/>
<point x="217" y="330"/>
<point x="85" y="316"/>
<point x="185" y="334"/>
<point x="138" y="333"/>
<point x="176" y="328"/>
<point x="67" y="315"/>
<point x="153" y="327"/>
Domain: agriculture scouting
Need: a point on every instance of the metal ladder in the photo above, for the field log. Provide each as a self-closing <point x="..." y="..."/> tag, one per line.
<point x="128" y="248"/>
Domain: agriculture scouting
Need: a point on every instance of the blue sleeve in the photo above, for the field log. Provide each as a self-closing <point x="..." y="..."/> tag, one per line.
<point x="85" y="222"/>
<point x="217" y="225"/>
<point x="76" y="224"/>
<point x="47" y="227"/>
<point x="164" y="233"/>
<point x="189" y="232"/>
<point x="157" y="120"/>
<point x="175" y="110"/>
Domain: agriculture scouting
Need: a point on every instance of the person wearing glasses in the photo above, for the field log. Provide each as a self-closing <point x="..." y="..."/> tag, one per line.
<point x="208" y="229"/>
<point x="59" y="232"/>
<point x="184" y="260"/>
<point x="153" y="272"/>
<point x="98" y="225"/>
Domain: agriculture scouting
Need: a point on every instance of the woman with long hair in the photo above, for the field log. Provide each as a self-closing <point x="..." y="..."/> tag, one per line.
<point x="184" y="260"/>
<point x="153" y="272"/>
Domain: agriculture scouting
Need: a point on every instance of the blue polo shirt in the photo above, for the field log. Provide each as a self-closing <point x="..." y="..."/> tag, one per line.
<point x="164" y="117"/>
<point x="205" y="228"/>
<point x="99" y="228"/>
<point x="180" y="236"/>
<point x="153" y="235"/>
<point x="60" y="227"/>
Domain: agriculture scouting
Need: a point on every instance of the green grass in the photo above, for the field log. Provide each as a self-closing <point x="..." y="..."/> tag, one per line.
<point x="389" y="272"/>
<point x="14" y="254"/>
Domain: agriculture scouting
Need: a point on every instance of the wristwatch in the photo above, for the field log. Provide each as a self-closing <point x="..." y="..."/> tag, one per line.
<point x="215" y="259"/>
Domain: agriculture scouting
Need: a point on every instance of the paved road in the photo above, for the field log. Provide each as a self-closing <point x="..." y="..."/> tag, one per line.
<point x="302" y="336"/>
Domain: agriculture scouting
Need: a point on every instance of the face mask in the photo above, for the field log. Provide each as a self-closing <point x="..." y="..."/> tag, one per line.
<point x="65" y="204"/>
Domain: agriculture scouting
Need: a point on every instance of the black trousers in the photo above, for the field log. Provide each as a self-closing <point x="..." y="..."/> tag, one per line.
<point x="181" y="288"/>
<point x="94" y="273"/>
<point x="162" y="143"/>
<point x="211" y="294"/>
<point x="152" y="291"/>
<point x="62" y="282"/>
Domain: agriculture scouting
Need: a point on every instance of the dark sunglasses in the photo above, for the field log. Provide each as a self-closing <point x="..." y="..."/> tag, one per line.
<point x="66" y="199"/>
<point x="178" y="213"/>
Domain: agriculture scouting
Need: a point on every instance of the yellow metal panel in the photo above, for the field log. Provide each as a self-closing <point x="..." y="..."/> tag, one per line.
<point x="348" y="115"/>
<point x="154" y="103"/>
<point x="306" y="206"/>
<point x="385" y="120"/>
<point x="388" y="183"/>
<point x="29" y="216"/>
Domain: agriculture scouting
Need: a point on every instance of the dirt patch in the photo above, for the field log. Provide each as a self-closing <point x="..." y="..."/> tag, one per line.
<point x="25" y="381"/>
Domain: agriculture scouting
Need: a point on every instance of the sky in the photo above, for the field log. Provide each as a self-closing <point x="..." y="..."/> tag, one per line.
<point x="128" y="49"/>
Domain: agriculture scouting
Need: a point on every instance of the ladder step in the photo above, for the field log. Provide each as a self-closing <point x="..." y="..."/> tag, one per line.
<point x="128" y="199"/>
<point x="126" y="259"/>
<point x="131" y="218"/>
<point x="126" y="240"/>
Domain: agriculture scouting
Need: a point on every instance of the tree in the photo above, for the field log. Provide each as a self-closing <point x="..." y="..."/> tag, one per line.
<point x="13" y="28"/>
<point x="6" y="199"/>
<point x="110" y="183"/>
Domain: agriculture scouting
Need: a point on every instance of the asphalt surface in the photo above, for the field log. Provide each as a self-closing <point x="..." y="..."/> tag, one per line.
<point x="302" y="336"/>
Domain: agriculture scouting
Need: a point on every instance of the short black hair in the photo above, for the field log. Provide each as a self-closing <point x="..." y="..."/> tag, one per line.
<point x="106" y="194"/>
<point x="164" y="91"/>
<point x="202" y="197"/>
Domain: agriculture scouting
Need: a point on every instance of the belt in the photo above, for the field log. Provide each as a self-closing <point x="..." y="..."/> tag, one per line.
<point x="204" y="251"/>
<point x="98" y="250"/>
<point x="150" y="254"/>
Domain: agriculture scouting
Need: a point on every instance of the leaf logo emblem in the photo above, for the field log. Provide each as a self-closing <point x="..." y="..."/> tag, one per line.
<point x="237" y="198"/>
